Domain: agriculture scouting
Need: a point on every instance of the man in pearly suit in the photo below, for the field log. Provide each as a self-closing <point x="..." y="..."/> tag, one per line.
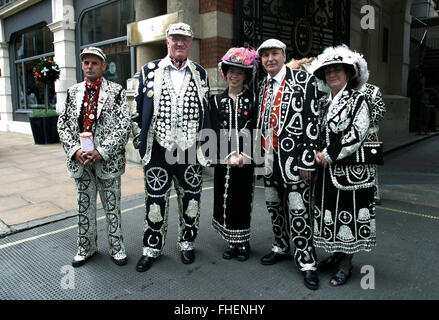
<point x="288" y="126"/>
<point x="99" y="107"/>
<point x="172" y="110"/>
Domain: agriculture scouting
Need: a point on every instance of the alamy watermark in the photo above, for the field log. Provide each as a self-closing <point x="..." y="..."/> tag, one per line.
<point x="68" y="278"/>
<point x="216" y="147"/>
<point x="368" y="20"/>
<point x="368" y="280"/>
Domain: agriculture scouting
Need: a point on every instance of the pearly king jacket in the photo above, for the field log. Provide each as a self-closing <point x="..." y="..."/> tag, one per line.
<point x="148" y="105"/>
<point x="234" y="124"/>
<point x="344" y="128"/>
<point x="377" y="109"/>
<point x="110" y="130"/>
<point x="298" y="124"/>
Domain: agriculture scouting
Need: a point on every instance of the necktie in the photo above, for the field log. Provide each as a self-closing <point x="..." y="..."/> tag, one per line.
<point x="90" y="103"/>
<point x="266" y="128"/>
<point x="268" y="103"/>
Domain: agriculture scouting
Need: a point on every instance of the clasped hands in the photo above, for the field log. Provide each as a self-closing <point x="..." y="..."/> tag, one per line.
<point x="321" y="160"/>
<point x="236" y="161"/>
<point x="90" y="157"/>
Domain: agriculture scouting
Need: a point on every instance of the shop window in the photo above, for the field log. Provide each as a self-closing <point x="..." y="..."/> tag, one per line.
<point x="105" y="27"/>
<point x="29" y="48"/>
<point x="107" y="22"/>
<point x="33" y="43"/>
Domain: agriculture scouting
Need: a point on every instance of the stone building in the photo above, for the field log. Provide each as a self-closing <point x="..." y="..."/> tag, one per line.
<point x="131" y="33"/>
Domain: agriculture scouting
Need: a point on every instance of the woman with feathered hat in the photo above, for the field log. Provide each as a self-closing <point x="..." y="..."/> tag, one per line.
<point x="344" y="194"/>
<point x="233" y="115"/>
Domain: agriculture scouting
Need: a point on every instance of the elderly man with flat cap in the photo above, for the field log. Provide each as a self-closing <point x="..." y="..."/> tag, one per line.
<point x="96" y="109"/>
<point x="172" y="109"/>
<point x="288" y="125"/>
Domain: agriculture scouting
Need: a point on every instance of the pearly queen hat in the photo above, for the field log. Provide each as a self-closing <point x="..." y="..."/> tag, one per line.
<point x="94" y="51"/>
<point x="334" y="55"/>
<point x="241" y="58"/>
<point x="362" y="70"/>
<point x="179" y="28"/>
<point x="271" y="43"/>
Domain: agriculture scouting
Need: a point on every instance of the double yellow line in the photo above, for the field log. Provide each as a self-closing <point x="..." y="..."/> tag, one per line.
<point x="3" y="246"/>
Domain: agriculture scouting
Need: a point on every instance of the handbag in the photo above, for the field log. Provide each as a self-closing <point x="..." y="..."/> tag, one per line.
<point x="368" y="153"/>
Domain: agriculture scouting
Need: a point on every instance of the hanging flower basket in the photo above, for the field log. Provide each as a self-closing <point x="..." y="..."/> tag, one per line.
<point x="46" y="71"/>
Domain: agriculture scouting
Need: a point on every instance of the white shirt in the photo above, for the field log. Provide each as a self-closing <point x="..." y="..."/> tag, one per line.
<point x="278" y="80"/>
<point x="337" y="96"/>
<point x="177" y="76"/>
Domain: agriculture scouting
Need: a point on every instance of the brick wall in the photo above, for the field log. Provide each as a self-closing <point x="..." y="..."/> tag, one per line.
<point x="216" y="5"/>
<point x="212" y="49"/>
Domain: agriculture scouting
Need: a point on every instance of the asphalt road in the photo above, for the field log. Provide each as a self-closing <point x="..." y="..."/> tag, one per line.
<point x="35" y="264"/>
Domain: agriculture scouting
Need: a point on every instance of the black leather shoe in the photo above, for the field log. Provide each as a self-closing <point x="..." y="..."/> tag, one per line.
<point x="144" y="263"/>
<point x="331" y="262"/>
<point x="273" y="257"/>
<point x="230" y="251"/>
<point x="243" y="251"/>
<point x="78" y="263"/>
<point x="187" y="256"/>
<point x="311" y="279"/>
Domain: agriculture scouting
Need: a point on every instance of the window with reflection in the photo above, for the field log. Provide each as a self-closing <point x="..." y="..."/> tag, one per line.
<point x="29" y="47"/>
<point x="33" y="43"/>
<point x="108" y="24"/>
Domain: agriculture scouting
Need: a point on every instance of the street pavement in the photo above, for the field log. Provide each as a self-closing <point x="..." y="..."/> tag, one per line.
<point x="35" y="188"/>
<point x="36" y="247"/>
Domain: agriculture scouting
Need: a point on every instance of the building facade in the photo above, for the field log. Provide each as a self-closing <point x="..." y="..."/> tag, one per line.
<point x="34" y="29"/>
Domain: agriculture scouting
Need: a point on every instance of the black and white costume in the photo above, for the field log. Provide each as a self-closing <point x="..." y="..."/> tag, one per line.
<point x="233" y="186"/>
<point x="110" y="130"/>
<point x="377" y="111"/>
<point x="287" y="195"/>
<point x="344" y="209"/>
<point x="170" y="119"/>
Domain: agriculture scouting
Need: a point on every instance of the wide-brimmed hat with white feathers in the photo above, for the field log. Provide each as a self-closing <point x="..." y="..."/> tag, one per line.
<point x="341" y="54"/>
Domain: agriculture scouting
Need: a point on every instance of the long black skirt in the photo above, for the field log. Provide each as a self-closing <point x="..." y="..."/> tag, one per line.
<point x="344" y="220"/>
<point x="233" y="201"/>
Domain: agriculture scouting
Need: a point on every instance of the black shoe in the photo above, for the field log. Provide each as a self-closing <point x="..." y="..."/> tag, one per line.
<point x="311" y="279"/>
<point x="187" y="256"/>
<point x="78" y="263"/>
<point x="243" y="251"/>
<point x="273" y="257"/>
<point x="230" y="251"/>
<point x="144" y="263"/>
<point x="331" y="262"/>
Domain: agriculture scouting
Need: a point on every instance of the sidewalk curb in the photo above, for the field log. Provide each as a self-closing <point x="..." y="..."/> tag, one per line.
<point x="6" y="230"/>
<point x="421" y="138"/>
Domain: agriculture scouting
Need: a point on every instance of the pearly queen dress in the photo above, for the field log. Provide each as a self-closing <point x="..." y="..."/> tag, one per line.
<point x="233" y="186"/>
<point x="344" y="212"/>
